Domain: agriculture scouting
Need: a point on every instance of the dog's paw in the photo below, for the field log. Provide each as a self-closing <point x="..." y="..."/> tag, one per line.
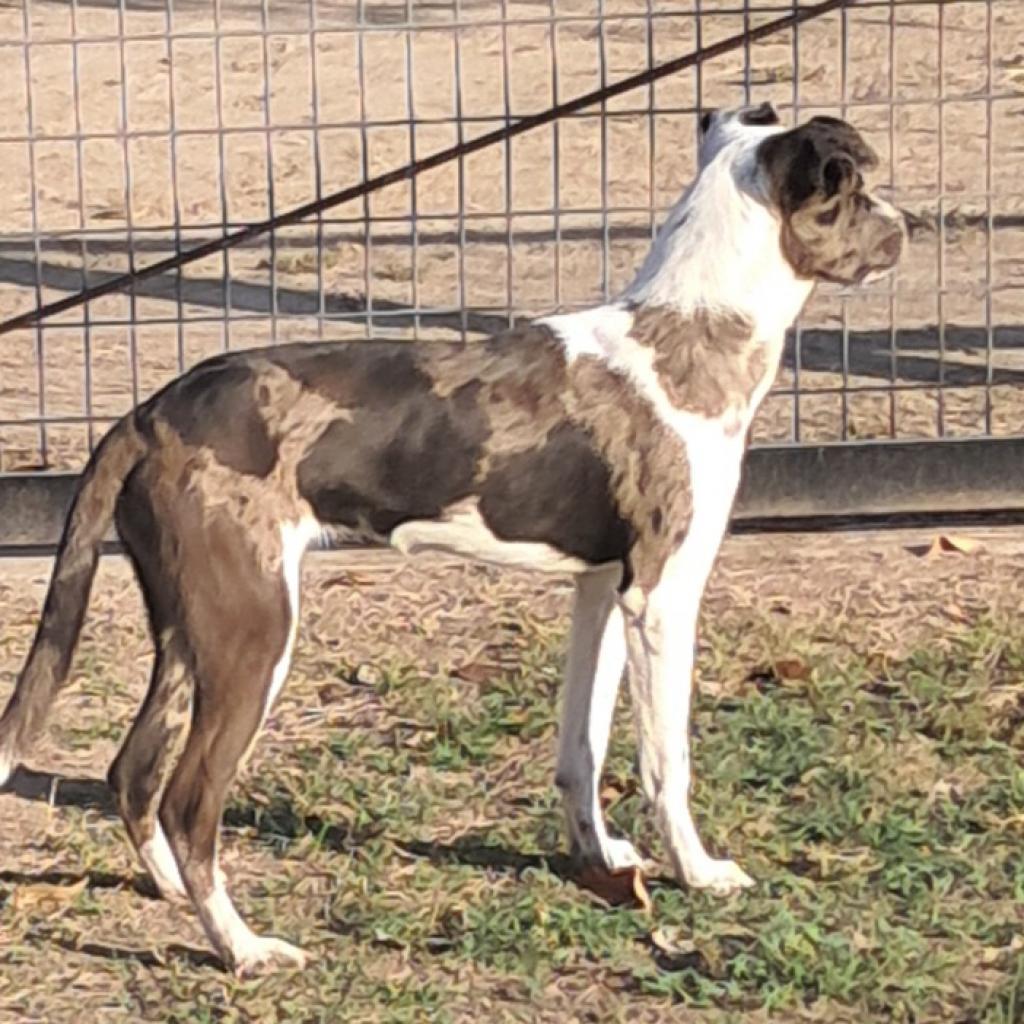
<point x="720" y="877"/>
<point x="264" y="955"/>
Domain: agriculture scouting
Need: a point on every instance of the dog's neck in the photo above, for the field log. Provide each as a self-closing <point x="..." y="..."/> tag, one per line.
<point x="719" y="251"/>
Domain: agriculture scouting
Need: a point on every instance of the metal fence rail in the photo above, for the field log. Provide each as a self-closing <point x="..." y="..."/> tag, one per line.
<point x="131" y="131"/>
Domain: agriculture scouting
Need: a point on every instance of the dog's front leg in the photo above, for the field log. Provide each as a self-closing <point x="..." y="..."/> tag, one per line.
<point x="597" y="657"/>
<point x="660" y="634"/>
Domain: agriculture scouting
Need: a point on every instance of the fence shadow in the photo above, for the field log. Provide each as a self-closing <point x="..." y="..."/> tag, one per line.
<point x="245" y="297"/>
<point x="61" y="790"/>
<point x="906" y="355"/>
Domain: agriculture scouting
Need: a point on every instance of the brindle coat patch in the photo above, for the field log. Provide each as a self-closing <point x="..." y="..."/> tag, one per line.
<point x="285" y="418"/>
<point x="518" y="375"/>
<point x="707" y="363"/>
<point x="650" y="469"/>
<point x="574" y="455"/>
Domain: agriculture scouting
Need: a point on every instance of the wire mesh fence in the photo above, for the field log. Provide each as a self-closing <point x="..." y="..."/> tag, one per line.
<point x="133" y="130"/>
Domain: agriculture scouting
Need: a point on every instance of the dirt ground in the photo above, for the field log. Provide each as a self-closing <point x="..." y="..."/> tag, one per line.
<point x="470" y="243"/>
<point x="80" y="936"/>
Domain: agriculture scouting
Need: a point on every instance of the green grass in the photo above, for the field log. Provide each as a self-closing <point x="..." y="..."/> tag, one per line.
<point x="880" y="814"/>
<point x="879" y="806"/>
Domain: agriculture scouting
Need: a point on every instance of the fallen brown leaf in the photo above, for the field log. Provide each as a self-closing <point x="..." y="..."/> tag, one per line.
<point x="945" y="543"/>
<point x="45" y="899"/>
<point x="956" y="613"/>
<point x="348" y="579"/>
<point x="617" y="888"/>
<point x="477" y="672"/>
<point x="669" y="941"/>
<point x="952" y="542"/>
<point x="331" y="693"/>
<point x="366" y="674"/>
<point x="792" y="668"/>
<point x="678" y="951"/>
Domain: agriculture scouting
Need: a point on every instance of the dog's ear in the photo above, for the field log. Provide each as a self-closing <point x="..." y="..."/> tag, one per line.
<point x="835" y="136"/>
<point x="839" y="174"/>
<point x="823" y="157"/>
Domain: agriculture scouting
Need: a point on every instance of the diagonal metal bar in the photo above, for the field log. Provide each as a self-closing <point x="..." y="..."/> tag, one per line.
<point x="409" y="170"/>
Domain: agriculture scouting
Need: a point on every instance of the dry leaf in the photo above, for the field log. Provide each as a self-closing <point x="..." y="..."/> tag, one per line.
<point x="45" y="899"/>
<point x="953" y="542"/>
<point x="617" y="888"/>
<point x="678" y="952"/>
<point x="669" y="941"/>
<point x="348" y="579"/>
<point x="792" y="668"/>
<point x="366" y="674"/>
<point x="783" y="670"/>
<point x="993" y="954"/>
<point x="946" y="543"/>
<point x="477" y="672"/>
<point x="956" y="613"/>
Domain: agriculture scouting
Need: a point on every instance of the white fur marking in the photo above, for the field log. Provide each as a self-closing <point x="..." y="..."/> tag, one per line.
<point x="660" y="644"/>
<point x="579" y="332"/>
<point x="295" y="539"/>
<point x="462" y="531"/>
<point x="227" y="922"/>
<point x="247" y="950"/>
<point x="234" y="934"/>
<point x="159" y="861"/>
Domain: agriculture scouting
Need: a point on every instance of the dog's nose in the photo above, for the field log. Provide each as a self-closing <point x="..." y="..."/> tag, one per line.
<point x="707" y="119"/>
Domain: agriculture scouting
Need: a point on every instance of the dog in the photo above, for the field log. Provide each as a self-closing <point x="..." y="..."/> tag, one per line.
<point x="605" y="443"/>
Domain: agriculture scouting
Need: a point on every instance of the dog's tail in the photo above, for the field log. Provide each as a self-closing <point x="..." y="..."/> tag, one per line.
<point x="46" y="669"/>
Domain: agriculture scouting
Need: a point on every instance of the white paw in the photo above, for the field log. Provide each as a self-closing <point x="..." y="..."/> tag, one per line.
<point x="263" y="955"/>
<point x="620" y="855"/>
<point x="159" y="862"/>
<point x="720" y="876"/>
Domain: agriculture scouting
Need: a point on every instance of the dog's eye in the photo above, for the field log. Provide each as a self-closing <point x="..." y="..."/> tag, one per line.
<point x="705" y="121"/>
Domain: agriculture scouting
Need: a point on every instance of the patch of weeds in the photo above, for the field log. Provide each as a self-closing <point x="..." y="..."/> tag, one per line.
<point x="879" y="810"/>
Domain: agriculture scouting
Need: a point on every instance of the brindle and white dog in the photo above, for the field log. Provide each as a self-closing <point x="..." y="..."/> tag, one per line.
<point x="605" y="443"/>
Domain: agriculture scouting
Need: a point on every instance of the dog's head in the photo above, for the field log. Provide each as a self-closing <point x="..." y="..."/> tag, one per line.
<point x="812" y="176"/>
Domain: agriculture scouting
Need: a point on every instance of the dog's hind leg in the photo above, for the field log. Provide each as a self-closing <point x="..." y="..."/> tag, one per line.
<point x="241" y="622"/>
<point x="597" y="657"/>
<point x="140" y="771"/>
